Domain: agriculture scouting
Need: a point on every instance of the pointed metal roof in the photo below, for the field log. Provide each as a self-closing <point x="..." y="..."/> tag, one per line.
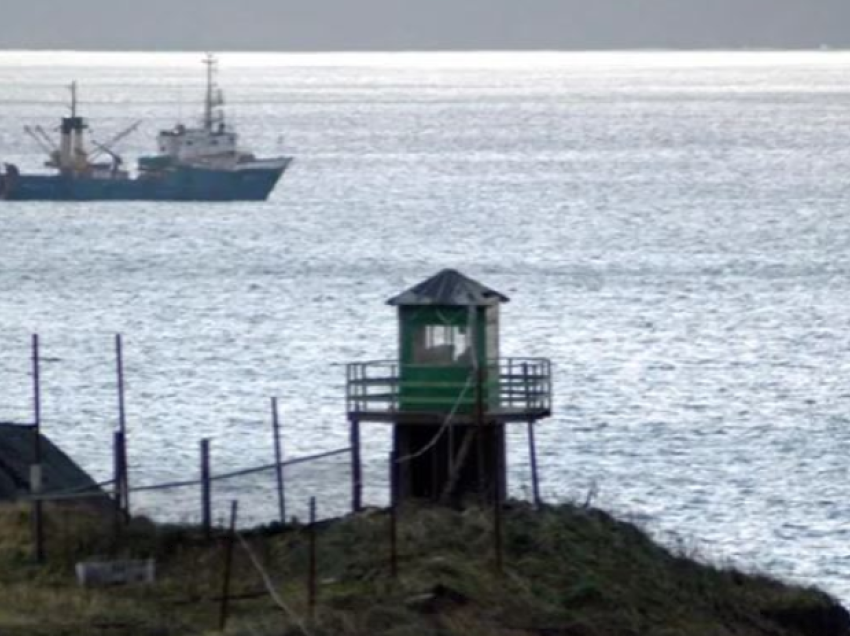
<point x="449" y="288"/>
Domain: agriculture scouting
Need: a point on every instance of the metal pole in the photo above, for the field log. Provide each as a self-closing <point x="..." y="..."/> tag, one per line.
<point x="206" y="495"/>
<point x="479" y="422"/>
<point x="228" y="566"/>
<point x="451" y="462"/>
<point x="278" y="458"/>
<point x="501" y="463"/>
<point x="356" y="469"/>
<point x="122" y="426"/>
<point x="125" y="488"/>
<point x="348" y="387"/>
<point x="532" y="452"/>
<point x="37" y="512"/>
<point x="497" y="515"/>
<point x="394" y="503"/>
<point x="35" y="469"/>
<point x="119" y="359"/>
<point x="118" y="507"/>
<point x="311" y="579"/>
<point x="36" y="394"/>
<point x="435" y="471"/>
<point x="532" y="445"/>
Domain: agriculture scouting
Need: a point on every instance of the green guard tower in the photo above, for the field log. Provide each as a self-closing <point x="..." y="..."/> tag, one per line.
<point x="449" y="394"/>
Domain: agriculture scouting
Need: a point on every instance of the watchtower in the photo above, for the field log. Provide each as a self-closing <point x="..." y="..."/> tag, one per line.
<point x="449" y="394"/>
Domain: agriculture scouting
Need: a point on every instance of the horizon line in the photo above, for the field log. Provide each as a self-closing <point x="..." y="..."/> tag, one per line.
<point x="449" y="51"/>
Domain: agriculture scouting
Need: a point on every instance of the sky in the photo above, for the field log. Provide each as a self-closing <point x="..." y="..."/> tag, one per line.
<point x="331" y="25"/>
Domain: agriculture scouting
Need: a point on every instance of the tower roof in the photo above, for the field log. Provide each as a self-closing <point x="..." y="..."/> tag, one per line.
<point x="451" y="288"/>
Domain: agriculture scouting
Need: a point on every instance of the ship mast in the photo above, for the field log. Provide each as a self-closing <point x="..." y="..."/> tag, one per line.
<point x="209" y="104"/>
<point x="73" y="99"/>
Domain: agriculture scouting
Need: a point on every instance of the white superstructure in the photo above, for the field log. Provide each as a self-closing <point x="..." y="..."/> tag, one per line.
<point x="213" y="145"/>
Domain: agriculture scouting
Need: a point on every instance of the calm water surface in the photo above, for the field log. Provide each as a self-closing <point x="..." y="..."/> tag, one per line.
<point x="672" y="229"/>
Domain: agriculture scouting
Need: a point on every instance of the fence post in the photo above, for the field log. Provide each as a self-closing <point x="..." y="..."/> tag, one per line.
<point x="278" y="458"/>
<point x="532" y="452"/>
<point x="532" y="445"/>
<point x="228" y="567"/>
<point x="356" y="469"/>
<point x="124" y="479"/>
<point x="394" y="514"/>
<point x="497" y="516"/>
<point x="36" y="397"/>
<point x="479" y="423"/>
<point x="312" y="575"/>
<point x="37" y="512"/>
<point x="206" y="487"/>
<point x="36" y="468"/>
<point x="118" y="471"/>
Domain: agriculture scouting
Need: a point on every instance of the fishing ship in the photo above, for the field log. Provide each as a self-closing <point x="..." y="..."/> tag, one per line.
<point x="202" y="163"/>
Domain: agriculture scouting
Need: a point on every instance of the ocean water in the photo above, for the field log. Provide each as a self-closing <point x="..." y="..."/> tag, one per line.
<point x="672" y="229"/>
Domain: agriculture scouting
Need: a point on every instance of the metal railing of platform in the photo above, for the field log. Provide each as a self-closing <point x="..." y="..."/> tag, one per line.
<point x="387" y="386"/>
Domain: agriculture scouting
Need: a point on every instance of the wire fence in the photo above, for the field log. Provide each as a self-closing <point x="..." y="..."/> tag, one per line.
<point x="183" y="501"/>
<point x="283" y="491"/>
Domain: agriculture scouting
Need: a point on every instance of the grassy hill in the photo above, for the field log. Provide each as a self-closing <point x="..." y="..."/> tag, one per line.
<point x="568" y="571"/>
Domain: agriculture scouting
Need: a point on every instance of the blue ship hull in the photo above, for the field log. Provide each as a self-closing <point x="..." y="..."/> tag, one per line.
<point x="180" y="184"/>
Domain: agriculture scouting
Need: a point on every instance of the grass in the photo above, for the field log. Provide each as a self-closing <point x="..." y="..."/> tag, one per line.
<point x="568" y="571"/>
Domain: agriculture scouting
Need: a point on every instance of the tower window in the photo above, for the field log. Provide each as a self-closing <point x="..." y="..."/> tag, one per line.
<point x="442" y="344"/>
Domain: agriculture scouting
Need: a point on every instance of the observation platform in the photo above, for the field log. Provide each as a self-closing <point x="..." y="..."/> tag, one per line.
<point x="506" y="390"/>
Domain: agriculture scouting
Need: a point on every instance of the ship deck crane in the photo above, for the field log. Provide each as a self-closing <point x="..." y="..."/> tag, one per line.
<point x="43" y="140"/>
<point x="106" y="148"/>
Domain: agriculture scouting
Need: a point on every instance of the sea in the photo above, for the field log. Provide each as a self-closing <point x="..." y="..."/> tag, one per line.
<point x="672" y="230"/>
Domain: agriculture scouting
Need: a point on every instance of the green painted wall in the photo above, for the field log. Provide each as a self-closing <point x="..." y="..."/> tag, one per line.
<point x="436" y="378"/>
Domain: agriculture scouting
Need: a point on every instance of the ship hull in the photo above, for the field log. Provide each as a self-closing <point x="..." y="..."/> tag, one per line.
<point x="181" y="184"/>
